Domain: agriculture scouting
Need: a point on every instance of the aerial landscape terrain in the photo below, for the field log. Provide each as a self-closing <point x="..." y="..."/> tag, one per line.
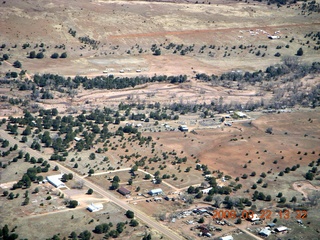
<point x="162" y="119"/>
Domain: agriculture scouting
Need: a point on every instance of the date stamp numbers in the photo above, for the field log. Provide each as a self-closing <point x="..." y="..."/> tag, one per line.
<point x="263" y="214"/>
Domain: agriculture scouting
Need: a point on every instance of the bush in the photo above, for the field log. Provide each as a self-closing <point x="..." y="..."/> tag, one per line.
<point x="55" y="55"/>
<point x="300" y="52"/>
<point x="64" y="55"/>
<point x="40" y="55"/>
<point x="134" y="223"/>
<point x="73" y="204"/>
<point x="17" y="64"/>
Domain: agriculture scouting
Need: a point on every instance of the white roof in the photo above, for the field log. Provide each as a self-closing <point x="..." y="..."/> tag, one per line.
<point x="281" y="229"/>
<point x="157" y="190"/>
<point x="255" y="217"/>
<point x="229" y="237"/>
<point x="95" y="207"/>
<point x="265" y="231"/>
<point x="55" y="181"/>
<point x="206" y="190"/>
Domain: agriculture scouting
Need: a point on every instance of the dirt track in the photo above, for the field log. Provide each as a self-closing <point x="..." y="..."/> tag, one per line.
<point x="206" y="31"/>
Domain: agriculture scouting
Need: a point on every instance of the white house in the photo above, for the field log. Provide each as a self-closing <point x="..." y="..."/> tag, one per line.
<point x="55" y="181"/>
<point x="95" y="207"/>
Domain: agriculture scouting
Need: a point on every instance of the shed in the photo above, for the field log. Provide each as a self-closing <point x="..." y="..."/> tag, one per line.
<point x="281" y="229"/>
<point x="55" y="181"/>
<point x="265" y="232"/>
<point x="124" y="191"/>
<point x="183" y="128"/>
<point x="95" y="207"/>
<point x="155" y="192"/>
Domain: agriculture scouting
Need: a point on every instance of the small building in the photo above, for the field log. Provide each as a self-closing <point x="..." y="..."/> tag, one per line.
<point x="241" y="114"/>
<point x="183" y="128"/>
<point x="254" y="218"/>
<point x="273" y="37"/>
<point x="206" y="191"/>
<point x="55" y="180"/>
<point x="77" y="139"/>
<point x="281" y="229"/>
<point x="155" y="192"/>
<point x="124" y="191"/>
<point x="265" y="232"/>
<point x="95" y="207"/>
<point x="271" y="225"/>
<point x="157" y="199"/>
<point x="205" y="184"/>
<point x="229" y="237"/>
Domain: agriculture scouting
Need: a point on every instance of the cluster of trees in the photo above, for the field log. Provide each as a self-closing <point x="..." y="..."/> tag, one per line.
<point x="115" y="183"/>
<point x="101" y="82"/>
<point x="7" y="234"/>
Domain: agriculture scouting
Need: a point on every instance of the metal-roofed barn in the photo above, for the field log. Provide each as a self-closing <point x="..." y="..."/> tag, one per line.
<point x="124" y="191"/>
<point x="155" y="192"/>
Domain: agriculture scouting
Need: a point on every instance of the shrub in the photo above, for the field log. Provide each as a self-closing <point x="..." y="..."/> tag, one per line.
<point x="55" y="55"/>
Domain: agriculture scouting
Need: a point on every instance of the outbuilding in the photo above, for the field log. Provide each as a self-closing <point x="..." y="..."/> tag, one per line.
<point x="124" y="191"/>
<point x="265" y="232"/>
<point x="281" y="229"/>
<point x="95" y="207"/>
<point x="156" y="192"/>
<point x="183" y="128"/>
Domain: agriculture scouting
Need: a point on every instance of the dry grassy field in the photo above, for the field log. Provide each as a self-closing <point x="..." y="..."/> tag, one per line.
<point x="123" y="32"/>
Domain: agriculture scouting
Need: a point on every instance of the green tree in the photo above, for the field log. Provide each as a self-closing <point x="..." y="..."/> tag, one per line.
<point x="90" y="191"/>
<point x="157" y="52"/>
<point x="114" y="185"/>
<point x="55" y="55"/>
<point x="40" y="55"/>
<point x="134" y="223"/>
<point x="64" y="55"/>
<point x="92" y="156"/>
<point x="201" y="220"/>
<point x="129" y="214"/>
<point x="73" y="204"/>
<point x="17" y="64"/>
<point x="300" y="52"/>
<point x="32" y="54"/>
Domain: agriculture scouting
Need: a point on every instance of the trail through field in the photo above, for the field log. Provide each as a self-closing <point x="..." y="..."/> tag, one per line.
<point x="301" y="186"/>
